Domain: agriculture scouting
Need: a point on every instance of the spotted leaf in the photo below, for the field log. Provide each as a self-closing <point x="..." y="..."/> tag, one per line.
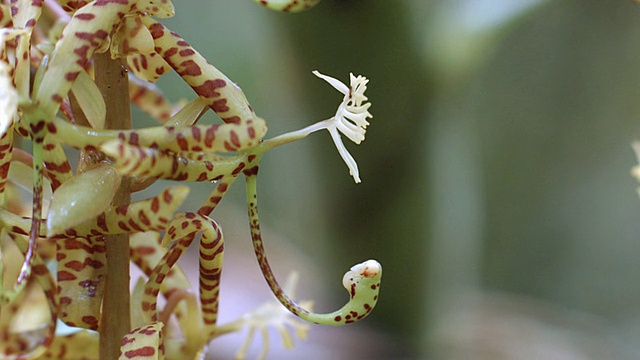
<point x="82" y="273"/>
<point x="143" y="343"/>
<point x="149" y="214"/>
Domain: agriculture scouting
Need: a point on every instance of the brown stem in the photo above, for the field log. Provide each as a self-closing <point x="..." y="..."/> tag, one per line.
<point x="111" y="78"/>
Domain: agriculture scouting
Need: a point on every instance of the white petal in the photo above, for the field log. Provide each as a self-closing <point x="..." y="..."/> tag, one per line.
<point x="351" y="131"/>
<point x="337" y="84"/>
<point x="348" y="159"/>
<point x="359" y="118"/>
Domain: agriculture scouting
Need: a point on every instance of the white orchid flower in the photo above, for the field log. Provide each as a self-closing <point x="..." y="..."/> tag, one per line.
<point x="350" y="118"/>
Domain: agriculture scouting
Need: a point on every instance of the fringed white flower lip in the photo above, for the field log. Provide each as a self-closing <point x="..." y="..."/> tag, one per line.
<point x="350" y="118"/>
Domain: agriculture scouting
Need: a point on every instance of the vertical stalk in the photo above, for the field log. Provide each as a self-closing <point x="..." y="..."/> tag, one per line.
<point x="111" y="78"/>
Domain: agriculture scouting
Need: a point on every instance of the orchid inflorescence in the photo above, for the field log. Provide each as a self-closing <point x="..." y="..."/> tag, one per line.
<point x="53" y="266"/>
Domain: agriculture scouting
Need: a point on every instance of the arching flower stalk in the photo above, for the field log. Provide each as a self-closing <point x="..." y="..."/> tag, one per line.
<point x="62" y="225"/>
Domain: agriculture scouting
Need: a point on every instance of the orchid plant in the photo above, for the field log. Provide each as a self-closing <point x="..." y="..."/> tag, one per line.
<point x="57" y="226"/>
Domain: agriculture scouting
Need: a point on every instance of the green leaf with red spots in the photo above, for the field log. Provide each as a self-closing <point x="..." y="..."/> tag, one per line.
<point x="150" y="214"/>
<point x="131" y="37"/>
<point x="143" y="343"/>
<point x="82" y="273"/>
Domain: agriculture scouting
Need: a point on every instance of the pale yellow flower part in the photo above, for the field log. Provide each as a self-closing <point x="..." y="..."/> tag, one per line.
<point x="273" y="314"/>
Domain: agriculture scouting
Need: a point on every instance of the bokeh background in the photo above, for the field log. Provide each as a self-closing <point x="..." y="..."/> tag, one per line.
<point x="496" y="185"/>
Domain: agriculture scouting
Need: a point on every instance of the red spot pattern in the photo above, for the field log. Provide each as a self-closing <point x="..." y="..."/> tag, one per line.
<point x="85" y="16"/>
<point x="107" y="2"/>
<point x="210" y="135"/>
<point x="209" y="88"/>
<point x="189" y="67"/>
<point x="95" y="38"/>
<point x="66" y="276"/>
<point x="141" y="352"/>
<point x="92" y="321"/>
<point x="71" y="6"/>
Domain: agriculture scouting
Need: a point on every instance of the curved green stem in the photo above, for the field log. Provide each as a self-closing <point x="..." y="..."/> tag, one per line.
<point x="362" y="281"/>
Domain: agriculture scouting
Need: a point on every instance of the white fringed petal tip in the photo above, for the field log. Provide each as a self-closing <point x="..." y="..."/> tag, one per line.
<point x="350" y="118"/>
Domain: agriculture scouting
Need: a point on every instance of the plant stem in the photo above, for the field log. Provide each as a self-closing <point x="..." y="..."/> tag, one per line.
<point x="111" y="78"/>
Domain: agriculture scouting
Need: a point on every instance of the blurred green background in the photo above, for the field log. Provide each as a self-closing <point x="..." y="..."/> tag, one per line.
<point x="496" y="190"/>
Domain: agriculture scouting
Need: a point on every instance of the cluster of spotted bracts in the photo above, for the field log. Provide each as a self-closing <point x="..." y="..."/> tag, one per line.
<point x="54" y="223"/>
